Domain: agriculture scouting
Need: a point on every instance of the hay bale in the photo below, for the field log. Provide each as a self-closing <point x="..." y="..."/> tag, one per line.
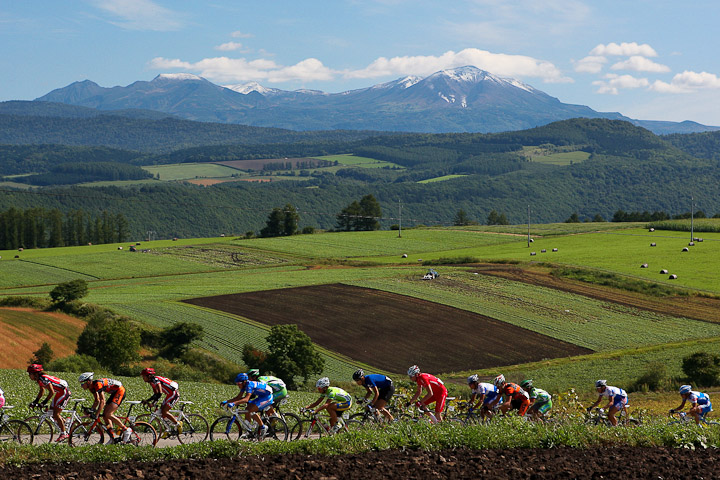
<point x="672" y="277"/>
<point x="652" y="229"/>
<point x="543" y="250"/>
<point x="691" y="244"/>
<point x="119" y="248"/>
<point x="663" y="271"/>
<point x="555" y="249"/>
<point x="532" y="240"/>
<point x="653" y="244"/>
<point x="699" y="239"/>
<point x="532" y="254"/>
<point x="685" y="249"/>
<point x="404" y="255"/>
<point x="20" y="249"/>
<point x="644" y="265"/>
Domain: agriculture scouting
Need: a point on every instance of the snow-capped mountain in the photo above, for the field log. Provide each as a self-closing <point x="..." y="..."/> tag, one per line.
<point x="453" y="100"/>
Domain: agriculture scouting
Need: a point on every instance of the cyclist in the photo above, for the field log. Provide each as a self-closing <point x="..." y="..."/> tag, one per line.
<point x="257" y="395"/>
<point x="55" y="386"/>
<point x="171" y="390"/>
<point x="380" y="387"/>
<point x="482" y="394"/>
<point x="338" y="401"/>
<point x="2" y="398"/>
<point x="279" y="389"/>
<point x="98" y="388"/>
<point x="617" y="400"/>
<point x="540" y="400"/>
<point x="517" y="398"/>
<point x="700" y="404"/>
<point x="436" y="392"/>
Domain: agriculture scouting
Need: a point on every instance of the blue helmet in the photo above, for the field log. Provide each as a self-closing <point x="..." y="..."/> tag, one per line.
<point x="241" y="377"/>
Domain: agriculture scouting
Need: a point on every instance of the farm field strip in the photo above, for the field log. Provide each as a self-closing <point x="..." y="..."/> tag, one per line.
<point x="355" y="161"/>
<point x="599" y="326"/>
<point x="184" y="171"/>
<point x="15" y="274"/>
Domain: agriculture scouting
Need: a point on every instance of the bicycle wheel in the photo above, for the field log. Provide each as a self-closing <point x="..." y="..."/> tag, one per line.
<point x="363" y="418"/>
<point x="194" y="428"/>
<point x="277" y="429"/>
<point x="225" y="428"/>
<point x="291" y="420"/>
<point x="307" y="429"/>
<point x="42" y="432"/>
<point x="353" y="425"/>
<point x="80" y="434"/>
<point x="143" y="435"/>
<point x="16" y="431"/>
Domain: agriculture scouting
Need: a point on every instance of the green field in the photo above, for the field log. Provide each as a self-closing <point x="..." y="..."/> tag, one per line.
<point x="363" y="162"/>
<point x="441" y="179"/>
<point x="540" y="155"/>
<point x="185" y="171"/>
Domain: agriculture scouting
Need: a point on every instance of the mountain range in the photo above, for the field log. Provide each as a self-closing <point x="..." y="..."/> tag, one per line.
<point x="464" y="99"/>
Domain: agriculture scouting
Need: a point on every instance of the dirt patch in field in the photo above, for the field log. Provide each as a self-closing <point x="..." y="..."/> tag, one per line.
<point x="698" y="308"/>
<point x="24" y="330"/>
<point x="551" y="463"/>
<point x="393" y="331"/>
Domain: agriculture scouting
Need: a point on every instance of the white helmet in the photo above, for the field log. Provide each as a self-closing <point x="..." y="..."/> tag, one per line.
<point x="499" y="380"/>
<point x="601" y="383"/>
<point x="85" y="377"/>
<point x="413" y="371"/>
<point x="473" y="379"/>
<point x="685" y="389"/>
<point x="323" y="382"/>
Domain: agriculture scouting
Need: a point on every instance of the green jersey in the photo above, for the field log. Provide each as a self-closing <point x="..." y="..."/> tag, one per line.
<point x="337" y="395"/>
<point x="540" y="395"/>
<point x="275" y="383"/>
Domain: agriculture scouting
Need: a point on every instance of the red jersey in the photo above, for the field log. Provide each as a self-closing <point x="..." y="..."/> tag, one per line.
<point x="167" y="386"/>
<point x="430" y="381"/>
<point x="105" y="385"/>
<point x="55" y="383"/>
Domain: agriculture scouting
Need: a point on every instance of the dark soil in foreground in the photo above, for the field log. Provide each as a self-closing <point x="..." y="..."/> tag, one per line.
<point x="595" y="463"/>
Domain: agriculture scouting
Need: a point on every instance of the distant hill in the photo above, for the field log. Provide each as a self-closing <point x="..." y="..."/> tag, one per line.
<point x="464" y="99"/>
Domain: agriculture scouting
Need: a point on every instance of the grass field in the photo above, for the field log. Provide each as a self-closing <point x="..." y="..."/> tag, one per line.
<point x="441" y="179"/>
<point x="184" y="171"/>
<point x="354" y="161"/>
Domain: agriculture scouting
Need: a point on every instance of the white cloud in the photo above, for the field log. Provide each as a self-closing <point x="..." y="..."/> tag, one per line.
<point x="624" y="50"/>
<point x="239" y="34"/>
<point x="590" y="64"/>
<point x="229" y="70"/>
<point x="687" y="82"/>
<point x="640" y="64"/>
<point x="612" y="83"/>
<point x="497" y="63"/>
<point x="229" y="46"/>
<point x="141" y="15"/>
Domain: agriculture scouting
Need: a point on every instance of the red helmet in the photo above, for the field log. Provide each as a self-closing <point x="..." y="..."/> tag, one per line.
<point x="148" y="371"/>
<point x="35" y="368"/>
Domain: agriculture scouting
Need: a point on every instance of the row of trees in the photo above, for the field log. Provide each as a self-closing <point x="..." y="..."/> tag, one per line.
<point x="39" y="228"/>
<point x="494" y="218"/>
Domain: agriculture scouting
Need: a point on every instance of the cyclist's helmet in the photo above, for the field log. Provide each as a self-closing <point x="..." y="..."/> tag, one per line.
<point x="35" y="368"/>
<point x="685" y="389"/>
<point x="323" y="382"/>
<point x="499" y="380"/>
<point x="601" y="383"/>
<point x="526" y="384"/>
<point x="473" y="379"/>
<point x="148" y="371"/>
<point x="413" y="371"/>
<point x="253" y="372"/>
<point x="241" y="377"/>
<point x="85" y="377"/>
<point x="358" y="375"/>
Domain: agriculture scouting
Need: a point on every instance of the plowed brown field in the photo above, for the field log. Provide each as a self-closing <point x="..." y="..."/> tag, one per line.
<point x="551" y="463"/>
<point x="393" y="331"/>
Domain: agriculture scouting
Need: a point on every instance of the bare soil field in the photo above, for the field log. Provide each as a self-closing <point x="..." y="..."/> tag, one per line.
<point x="698" y="308"/>
<point x="551" y="463"/>
<point x="24" y="330"/>
<point x="393" y="331"/>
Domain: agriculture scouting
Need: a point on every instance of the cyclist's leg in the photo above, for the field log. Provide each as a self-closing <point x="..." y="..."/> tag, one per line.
<point x="167" y="404"/>
<point x="58" y="405"/>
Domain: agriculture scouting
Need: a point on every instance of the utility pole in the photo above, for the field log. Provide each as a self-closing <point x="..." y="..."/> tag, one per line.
<point x="400" y="217"/>
<point x="692" y="219"/>
<point x="528" y="226"/>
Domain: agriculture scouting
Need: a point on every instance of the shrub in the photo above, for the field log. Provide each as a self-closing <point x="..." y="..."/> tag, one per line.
<point x="26" y="302"/>
<point x="654" y="378"/>
<point x="43" y="355"/>
<point x="75" y="363"/>
<point x="69" y="291"/>
<point x="702" y="368"/>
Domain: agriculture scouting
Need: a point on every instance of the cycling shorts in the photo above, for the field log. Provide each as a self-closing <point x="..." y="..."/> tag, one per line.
<point x="705" y="409"/>
<point x="489" y="397"/>
<point x="172" y="399"/>
<point x="386" y="393"/>
<point x="542" y="407"/>
<point x="620" y="402"/>
<point x="342" y="406"/>
<point x="61" y="399"/>
<point x="262" y="401"/>
<point x="117" y="397"/>
<point x="521" y="405"/>
<point x="439" y="399"/>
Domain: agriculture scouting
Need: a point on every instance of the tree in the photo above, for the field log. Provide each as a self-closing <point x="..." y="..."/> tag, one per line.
<point x="69" y="291"/>
<point x="291" y="354"/>
<point x="281" y="221"/>
<point x="574" y="218"/>
<point x="497" y="219"/>
<point x="702" y="368"/>
<point x="290" y="220"/>
<point x="43" y="355"/>
<point x="461" y="218"/>
<point x="114" y="342"/>
<point x="360" y="216"/>
<point x="177" y="338"/>
<point x="253" y="357"/>
<point x="347" y="218"/>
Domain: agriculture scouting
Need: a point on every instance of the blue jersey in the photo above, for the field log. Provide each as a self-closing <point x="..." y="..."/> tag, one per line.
<point x="699" y="398"/>
<point x="257" y="388"/>
<point x="378" y="381"/>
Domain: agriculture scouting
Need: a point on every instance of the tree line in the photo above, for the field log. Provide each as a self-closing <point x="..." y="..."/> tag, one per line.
<point x="39" y="228"/>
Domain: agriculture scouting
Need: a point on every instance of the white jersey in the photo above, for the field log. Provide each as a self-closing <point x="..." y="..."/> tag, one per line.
<point x="613" y="392"/>
<point x="484" y="389"/>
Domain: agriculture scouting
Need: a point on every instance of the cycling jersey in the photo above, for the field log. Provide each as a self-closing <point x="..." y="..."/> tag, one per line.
<point x="337" y="395"/>
<point x="488" y="389"/>
<point x="699" y="398"/>
<point x="437" y="387"/>
<point x="257" y="388"/>
<point x="539" y="395"/>
<point x="60" y="387"/>
<point x="514" y="391"/>
<point x="168" y="387"/>
<point x="273" y="382"/>
<point x="2" y="398"/>
<point x="619" y="397"/>
<point x="114" y="388"/>
<point x="378" y="381"/>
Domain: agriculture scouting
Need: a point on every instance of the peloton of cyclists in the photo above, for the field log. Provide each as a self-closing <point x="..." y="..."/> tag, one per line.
<point x="98" y="387"/>
<point x="436" y="392"/>
<point x="258" y="396"/>
<point x="56" y="388"/>
<point x="617" y="400"/>
<point x="378" y="386"/>
<point x="700" y="404"/>
<point x="279" y="389"/>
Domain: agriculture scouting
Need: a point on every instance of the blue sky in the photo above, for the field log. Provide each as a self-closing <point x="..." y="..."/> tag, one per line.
<point x="652" y="60"/>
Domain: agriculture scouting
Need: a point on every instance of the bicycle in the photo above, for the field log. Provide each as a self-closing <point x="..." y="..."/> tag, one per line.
<point x="94" y="432"/>
<point x="315" y="426"/>
<point x="682" y="418"/>
<point x="44" y="425"/>
<point x="599" y="416"/>
<point x="234" y="427"/>
<point x="14" y="430"/>
<point x="194" y="427"/>
<point x="289" y="418"/>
